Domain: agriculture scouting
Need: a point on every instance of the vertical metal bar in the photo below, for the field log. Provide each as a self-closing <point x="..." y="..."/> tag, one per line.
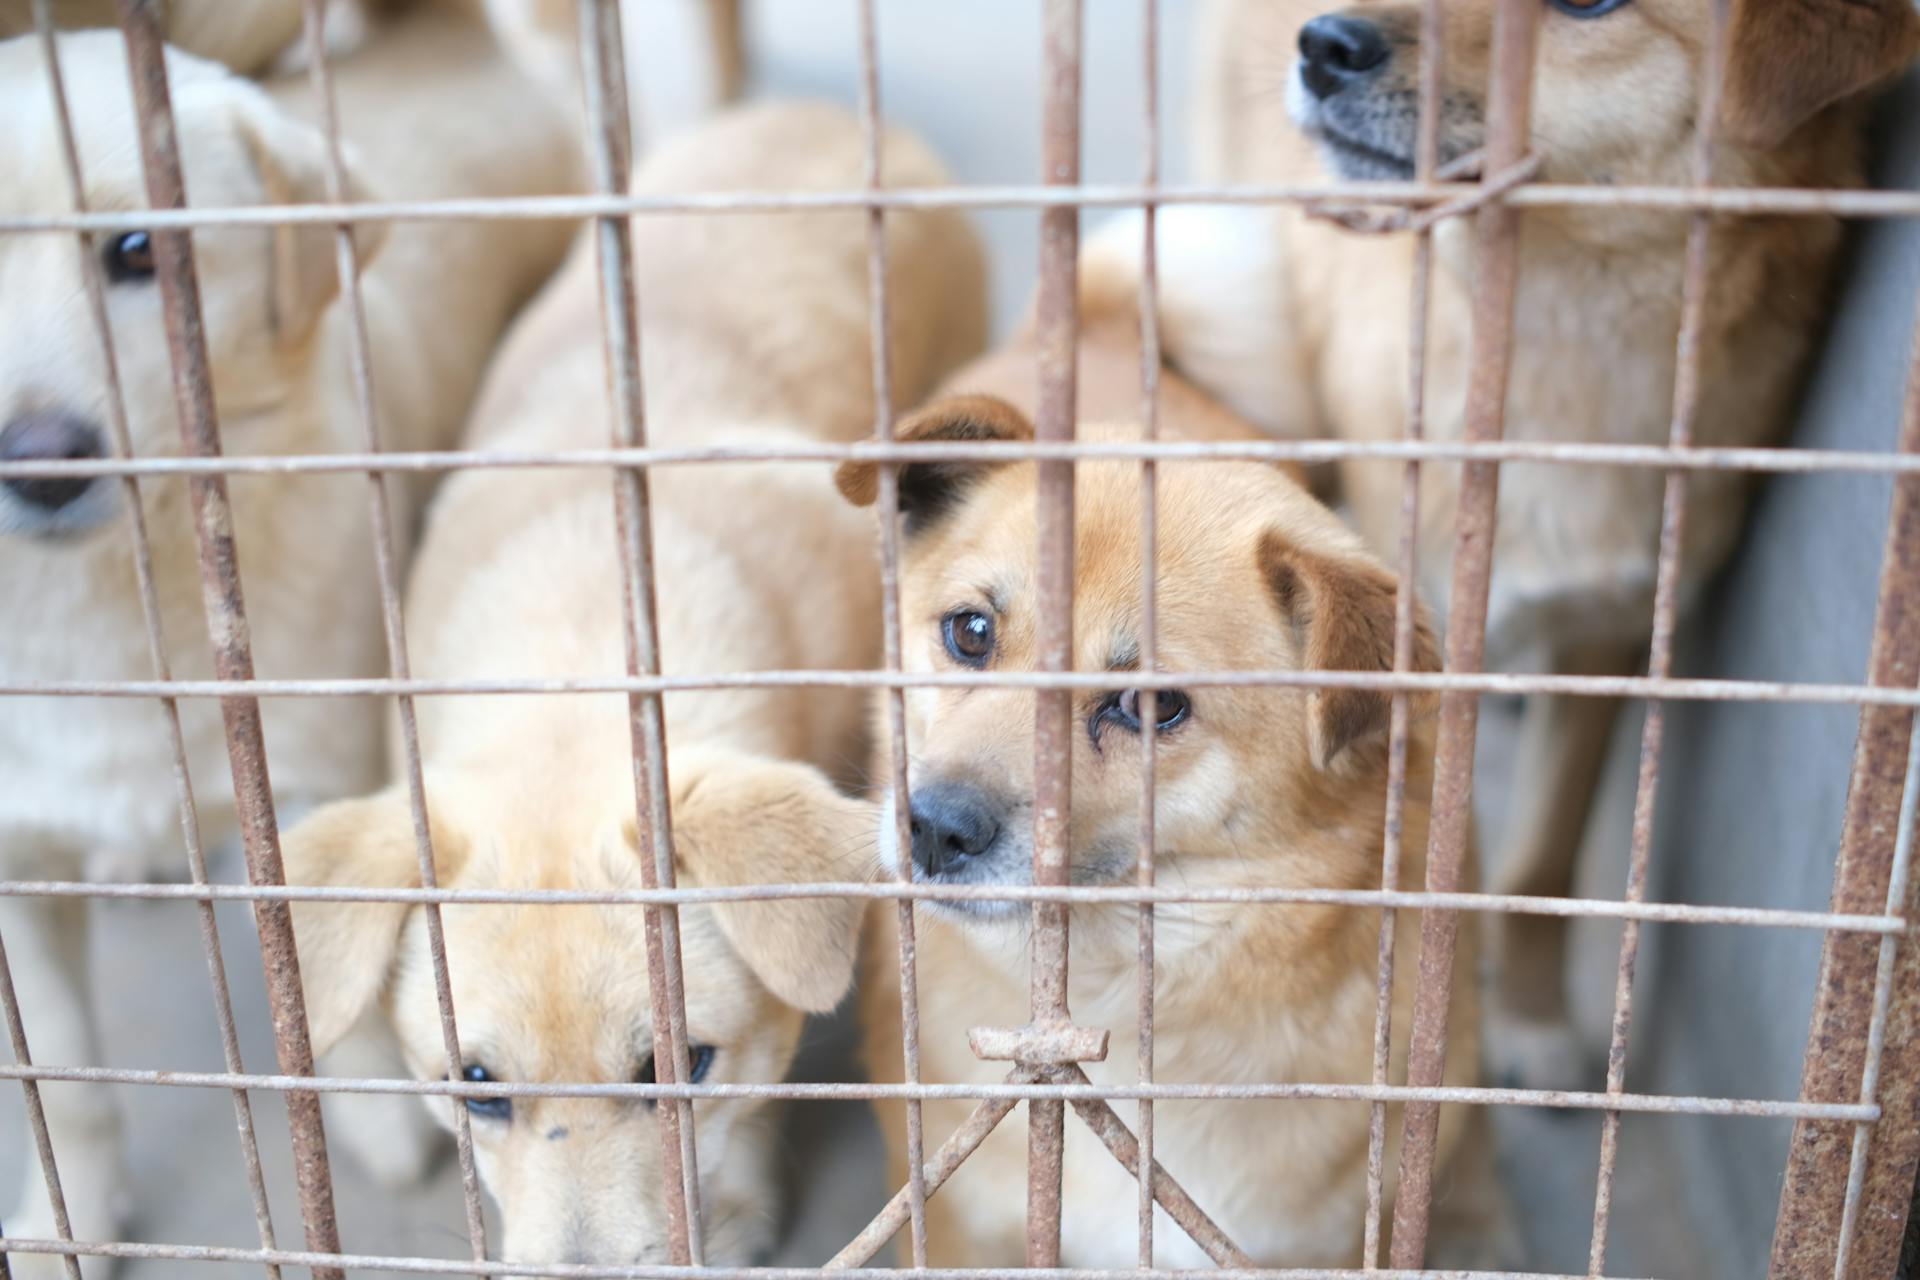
<point x="1806" y="1234"/>
<point x="1053" y="710"/>
<point x="609" y="132"/>
<point x="1149" y="585"/>
<point x="95" y="287"/>
<point x="1405" y="607"/>
<point x="1877" y="1028"/>
<point x="386" y="562"/>
<point x="227" y="616"/>
<point x="1497" y="235"/>
<point x="880" y="329"/>
<point x="1673" y="525"/>
<point x="36" y="1114"/>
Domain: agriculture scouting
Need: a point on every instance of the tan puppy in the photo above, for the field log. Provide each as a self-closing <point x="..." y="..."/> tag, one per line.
<point x="754" y="333"/>
<point x="90" y="789"/>
<point x="1304" y="326"/>
<point x="1271" y="787"/>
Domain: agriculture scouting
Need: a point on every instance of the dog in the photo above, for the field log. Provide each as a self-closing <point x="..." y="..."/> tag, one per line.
<point x="754" y="332"/>
<point x="91" y="791"/>
<point x="1304" y="327"/>
<point x="1255" y="786"/>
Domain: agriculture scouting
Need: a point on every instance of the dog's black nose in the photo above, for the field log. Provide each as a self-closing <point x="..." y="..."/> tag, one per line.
<point x="952" y="823"/>
<point x="1336" y="49"/>
<point x="48" y="437"/>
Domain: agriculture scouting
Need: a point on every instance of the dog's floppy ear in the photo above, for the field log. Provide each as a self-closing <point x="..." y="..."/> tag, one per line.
<point x="290" y="160"/>
<point x="1791" y="58"/>
<point x="929" y="488"/>
<point x="1341" y="610"/>
<point x="347" y="949"/>
<point x="740" y="821"/>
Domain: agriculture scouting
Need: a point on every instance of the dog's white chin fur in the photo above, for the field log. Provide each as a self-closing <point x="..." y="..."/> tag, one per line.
<point x="1302" y="105"/>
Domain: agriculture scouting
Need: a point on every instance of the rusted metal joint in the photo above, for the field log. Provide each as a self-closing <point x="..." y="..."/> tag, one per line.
<point x="1040" y="1045"/>
<point x="1371" y="221"/>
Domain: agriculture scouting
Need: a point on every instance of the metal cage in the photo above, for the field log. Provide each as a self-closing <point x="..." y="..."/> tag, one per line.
<point x="1854" y="1149"/>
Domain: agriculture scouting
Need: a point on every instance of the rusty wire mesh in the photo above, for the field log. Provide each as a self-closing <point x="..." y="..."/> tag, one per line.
<point x="1851" y="1158"/>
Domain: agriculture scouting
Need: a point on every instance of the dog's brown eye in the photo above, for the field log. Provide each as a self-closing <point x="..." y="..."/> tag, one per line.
<point x="969" y="637"/>
<point x="1170" y="707"/>
<point x="129" y="257"/>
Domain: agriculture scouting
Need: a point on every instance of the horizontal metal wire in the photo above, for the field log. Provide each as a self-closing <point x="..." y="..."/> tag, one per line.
<point x="575" y="1271"/>
<point x="1770" y="201"/>
<point x="1651" y="457"/>
<point x="1679" y="690"/>
<point x="1091" y="895"/>
<point x="1300" y="1091"/>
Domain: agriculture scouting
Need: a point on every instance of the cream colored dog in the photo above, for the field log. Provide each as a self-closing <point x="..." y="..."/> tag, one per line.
<point x="1255" y="787"/>
<point x="754" y="333"/>
<point x="90" y="782"/>
<point x="1304" y="327"/>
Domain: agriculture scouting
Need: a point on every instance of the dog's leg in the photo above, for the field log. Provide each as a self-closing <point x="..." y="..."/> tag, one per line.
<point x="394" y="1137"/>
<point x="46" y="942"/>
<point x="1563" y="743"/>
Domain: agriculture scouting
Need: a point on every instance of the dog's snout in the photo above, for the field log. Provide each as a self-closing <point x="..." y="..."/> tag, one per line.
<point x="1337" y="49"/>
<point x="953" y="822"/>
<point x="49" y="437"/>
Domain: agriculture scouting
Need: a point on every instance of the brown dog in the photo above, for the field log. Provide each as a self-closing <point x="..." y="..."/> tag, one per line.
<point x="1304" y="326"/>
<point x="1256" y="786"/>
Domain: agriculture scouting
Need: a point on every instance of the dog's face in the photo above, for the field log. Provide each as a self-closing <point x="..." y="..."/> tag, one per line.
<point x="1253" y="575"/>
<point x="262" y="290"/>
<point x="1617" y="82"/>
<point x="547" y="993"/>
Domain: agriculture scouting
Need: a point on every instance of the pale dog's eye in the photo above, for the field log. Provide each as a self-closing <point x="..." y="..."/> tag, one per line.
<point x="129" y="256"/>
<point x="485" y="1108"/>
<point x="1588" y="8"/>
<point x="699" y="1062"/>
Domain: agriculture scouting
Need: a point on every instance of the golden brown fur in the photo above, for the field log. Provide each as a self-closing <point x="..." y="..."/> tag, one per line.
<point x="1256" y="786"/>
<point x="754" y="333"/>
<point x="1305" y="326"/>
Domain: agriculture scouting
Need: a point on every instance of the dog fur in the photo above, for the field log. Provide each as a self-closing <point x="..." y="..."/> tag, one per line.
<point x="1256" y="786"/>
<point x="91" y="789"/>
<point x="755" y="333"/>
<point x="1304" y="327"/>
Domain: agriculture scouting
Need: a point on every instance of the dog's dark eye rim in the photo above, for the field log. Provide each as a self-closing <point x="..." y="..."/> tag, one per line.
<point x="486" y="1108"/>
<point x="699" y="1061"/>
<point x="1171" y="708"/>
<point x="1588" y="9"/>
<point x="969" y="636"/>
<point x="128" y="256"/>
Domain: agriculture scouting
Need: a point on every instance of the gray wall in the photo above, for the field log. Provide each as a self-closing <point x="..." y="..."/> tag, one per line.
<point x="1751" y="796"/>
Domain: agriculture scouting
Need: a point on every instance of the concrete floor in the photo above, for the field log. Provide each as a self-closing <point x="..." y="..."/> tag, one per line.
<point x="967" y="77"/>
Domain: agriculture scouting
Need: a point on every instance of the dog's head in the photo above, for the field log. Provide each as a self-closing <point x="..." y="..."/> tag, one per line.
<point x="546" y="993"/>
<point x="1253" y="574"/>
<point x="1617" y="81"/>
<point x="262" y="289"/>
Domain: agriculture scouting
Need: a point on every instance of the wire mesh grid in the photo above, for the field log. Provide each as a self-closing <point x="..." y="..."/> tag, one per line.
<point x="1852" y="1156"/>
